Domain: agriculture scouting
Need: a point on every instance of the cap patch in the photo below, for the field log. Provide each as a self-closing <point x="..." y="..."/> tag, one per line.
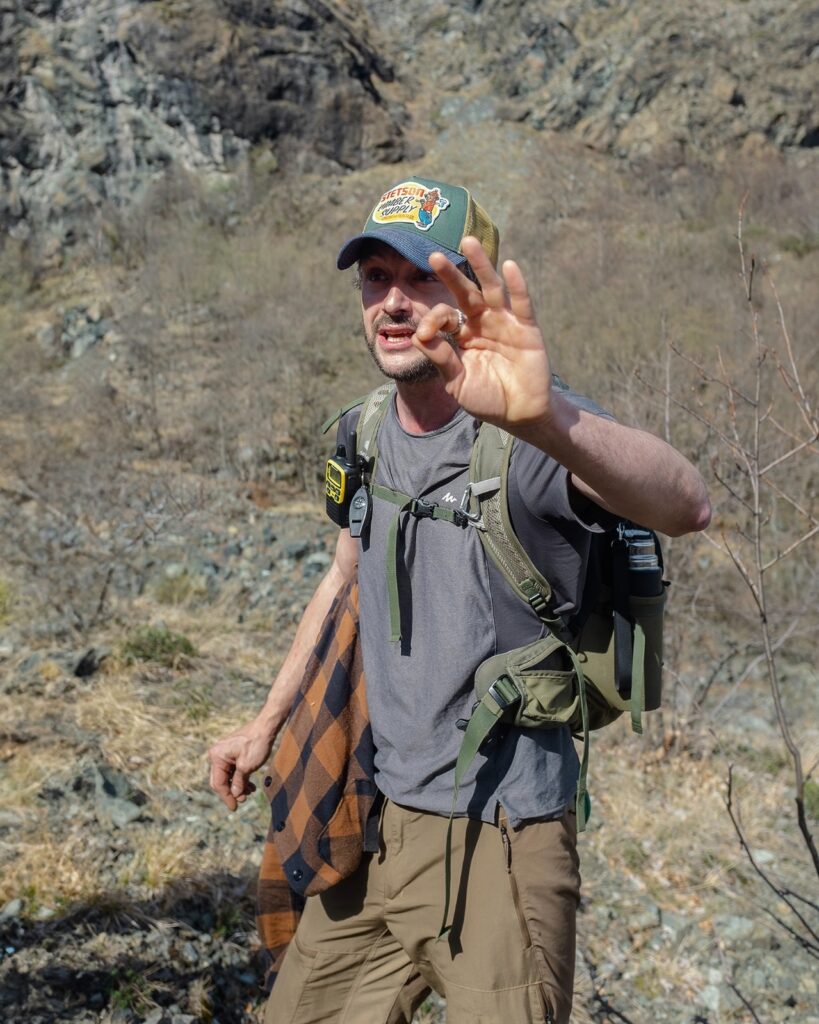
<point x="410" y="203"/>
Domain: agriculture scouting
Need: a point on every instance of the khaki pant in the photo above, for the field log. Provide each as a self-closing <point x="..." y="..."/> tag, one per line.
<point x="365" y="952"/>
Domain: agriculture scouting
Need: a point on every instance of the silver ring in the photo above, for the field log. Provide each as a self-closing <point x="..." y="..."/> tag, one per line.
<point x="461" y="322"/>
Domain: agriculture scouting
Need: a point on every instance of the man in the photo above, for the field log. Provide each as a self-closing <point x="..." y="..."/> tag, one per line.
<point x="463" y="345"/>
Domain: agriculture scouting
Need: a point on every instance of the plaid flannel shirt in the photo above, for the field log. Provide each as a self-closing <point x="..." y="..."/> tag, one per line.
<point x="320" y="786"/>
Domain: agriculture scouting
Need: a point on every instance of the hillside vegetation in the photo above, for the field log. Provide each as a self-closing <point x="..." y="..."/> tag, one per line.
<point x="172" y="333"/>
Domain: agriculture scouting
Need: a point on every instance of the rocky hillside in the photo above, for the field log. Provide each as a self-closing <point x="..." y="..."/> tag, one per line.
<point x="101" y="96"/>
<point x="646" y="79"/>
<point x="175" y="179"/>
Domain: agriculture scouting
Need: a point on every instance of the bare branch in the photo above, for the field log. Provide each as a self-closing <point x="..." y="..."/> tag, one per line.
<point x="667" y="407"/>
<point x="805" y="406"/>
<point x="789" y="549"/>
<point x="809" y="942"/>
<point x="735" y="989"/>
<point x="743" y="573"/>
<point x="721" y="480"/>
<point x="784" y="430"/>
<point x="714" y="544"/>
<point x="709" y="378"/>
<point x="752" y="665"/>
<point x="701" y="418"/>
<point x="789" y="455"/>
<point x="792" y="502"/>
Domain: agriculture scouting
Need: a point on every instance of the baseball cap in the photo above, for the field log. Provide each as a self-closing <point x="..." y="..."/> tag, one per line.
<point x="419" y="216"/>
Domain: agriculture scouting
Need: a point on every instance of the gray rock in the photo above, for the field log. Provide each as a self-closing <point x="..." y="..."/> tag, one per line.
<point x="189" y="954"/>
<point x="735" y="929"/>
<point x="8" y="819"/>
<point x="117" y="803"/>
<point x="675" y="925"/>
<point x="13" y="908"/>
<point x="296" y="550"/>
<point x="717" y="996"/>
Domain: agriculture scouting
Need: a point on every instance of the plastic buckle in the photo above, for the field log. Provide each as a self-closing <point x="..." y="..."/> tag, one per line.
<point x="460" y="518"/>
<point x="422" y="509"/>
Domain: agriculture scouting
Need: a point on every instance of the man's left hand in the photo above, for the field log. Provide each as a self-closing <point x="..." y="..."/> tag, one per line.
<point x="496" y="366"/>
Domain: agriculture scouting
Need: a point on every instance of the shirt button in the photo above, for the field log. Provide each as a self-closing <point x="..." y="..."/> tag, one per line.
<point x="267" y="780"/>
<point x="297" y="874"/>
<point x="280" y="826"/>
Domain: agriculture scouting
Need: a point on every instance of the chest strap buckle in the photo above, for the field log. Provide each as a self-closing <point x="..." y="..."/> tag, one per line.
<point x="422" y="509"/>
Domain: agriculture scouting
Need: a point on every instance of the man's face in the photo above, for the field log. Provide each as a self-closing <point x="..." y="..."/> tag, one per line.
<point x="395" y="296"/>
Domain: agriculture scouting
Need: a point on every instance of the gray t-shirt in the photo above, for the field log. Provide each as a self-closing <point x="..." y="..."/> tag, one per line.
<point x="456" y="611"/>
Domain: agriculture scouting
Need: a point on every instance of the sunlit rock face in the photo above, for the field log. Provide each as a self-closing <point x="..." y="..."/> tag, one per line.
<point x="101" y="97"/>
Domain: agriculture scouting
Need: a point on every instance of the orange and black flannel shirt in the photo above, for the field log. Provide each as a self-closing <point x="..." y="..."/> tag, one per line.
<point x="320" y="786"/>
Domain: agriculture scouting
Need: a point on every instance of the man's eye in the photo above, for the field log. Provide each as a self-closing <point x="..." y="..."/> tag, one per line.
<point x="375" y="275"/>
<point x="425" y="277"/>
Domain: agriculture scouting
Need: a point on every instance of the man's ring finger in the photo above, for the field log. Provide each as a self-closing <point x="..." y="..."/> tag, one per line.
<point x="461" y="322"/>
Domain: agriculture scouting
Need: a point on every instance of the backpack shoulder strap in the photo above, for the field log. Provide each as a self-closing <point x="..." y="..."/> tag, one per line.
<point x="489" y="510"/>
<point x="373" y="409"/>
<point x="372" y="416"/>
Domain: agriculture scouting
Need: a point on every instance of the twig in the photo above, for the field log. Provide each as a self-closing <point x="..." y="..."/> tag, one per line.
<point x="792" y="502"/>
<point x="749" y="668"/>
<point x="103" y="594"/>
<point x="728" y="487"/>
<point x="744" y="574"/>
<point x="805" y="406"/>
<point x="789" y="549"/>
<point x="812" y="943"/>
<point x="788" y="455"/>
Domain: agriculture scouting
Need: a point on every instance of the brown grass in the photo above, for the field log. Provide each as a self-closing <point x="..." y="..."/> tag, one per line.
<point x="231" y="343"/>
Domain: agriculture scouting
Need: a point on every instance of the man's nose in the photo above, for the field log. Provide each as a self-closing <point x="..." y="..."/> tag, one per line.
<point x="397" y="301"/>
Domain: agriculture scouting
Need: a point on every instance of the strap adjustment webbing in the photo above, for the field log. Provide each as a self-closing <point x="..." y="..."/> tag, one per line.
<point x="421" y="509"/>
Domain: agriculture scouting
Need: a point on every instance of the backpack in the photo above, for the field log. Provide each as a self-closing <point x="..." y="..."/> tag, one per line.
<point x="613" y="643"/>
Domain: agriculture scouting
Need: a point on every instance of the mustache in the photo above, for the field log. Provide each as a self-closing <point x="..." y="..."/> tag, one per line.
<point x="387" y="320"/>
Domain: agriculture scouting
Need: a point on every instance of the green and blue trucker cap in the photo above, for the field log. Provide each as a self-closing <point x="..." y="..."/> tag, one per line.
<point x="420" y="216"/>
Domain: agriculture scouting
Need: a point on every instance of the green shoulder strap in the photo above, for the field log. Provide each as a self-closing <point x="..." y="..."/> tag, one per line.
<point x="373" y="402"/>
<point x="489" y="511"/>
<point x="374" y="410"/>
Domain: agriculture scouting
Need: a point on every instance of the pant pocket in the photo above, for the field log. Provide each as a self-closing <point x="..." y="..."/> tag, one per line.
<point x="506" y="840"/>
<point x="544" y="871"/>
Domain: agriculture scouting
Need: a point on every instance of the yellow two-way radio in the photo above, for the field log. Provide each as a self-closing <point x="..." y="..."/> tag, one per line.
<point x="342" y="479"/>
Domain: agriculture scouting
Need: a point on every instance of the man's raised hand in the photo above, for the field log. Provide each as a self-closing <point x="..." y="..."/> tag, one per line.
<point x="496" y="366"/>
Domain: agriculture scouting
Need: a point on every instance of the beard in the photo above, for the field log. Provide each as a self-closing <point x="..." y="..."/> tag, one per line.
<point x="421" y="369"/>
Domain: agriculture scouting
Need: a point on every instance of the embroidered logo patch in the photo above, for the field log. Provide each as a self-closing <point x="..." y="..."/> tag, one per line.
<point x="410" y="203"/>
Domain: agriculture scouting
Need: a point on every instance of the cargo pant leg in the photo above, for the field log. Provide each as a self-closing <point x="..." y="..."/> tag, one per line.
<point x="509" y="956"/>
<point x="343" y="966"/>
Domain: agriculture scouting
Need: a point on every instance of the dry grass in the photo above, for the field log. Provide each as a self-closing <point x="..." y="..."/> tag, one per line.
<point x="231" y="343"/>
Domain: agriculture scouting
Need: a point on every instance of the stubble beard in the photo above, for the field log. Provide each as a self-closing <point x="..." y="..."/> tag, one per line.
<point x="420" y="370"/>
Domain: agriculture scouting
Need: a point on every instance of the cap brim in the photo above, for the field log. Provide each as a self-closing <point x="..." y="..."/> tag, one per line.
<point x="414" y="247"/>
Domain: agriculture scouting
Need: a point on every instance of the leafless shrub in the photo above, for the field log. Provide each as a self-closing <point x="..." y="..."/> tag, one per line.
<point x="761" y="418"/>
